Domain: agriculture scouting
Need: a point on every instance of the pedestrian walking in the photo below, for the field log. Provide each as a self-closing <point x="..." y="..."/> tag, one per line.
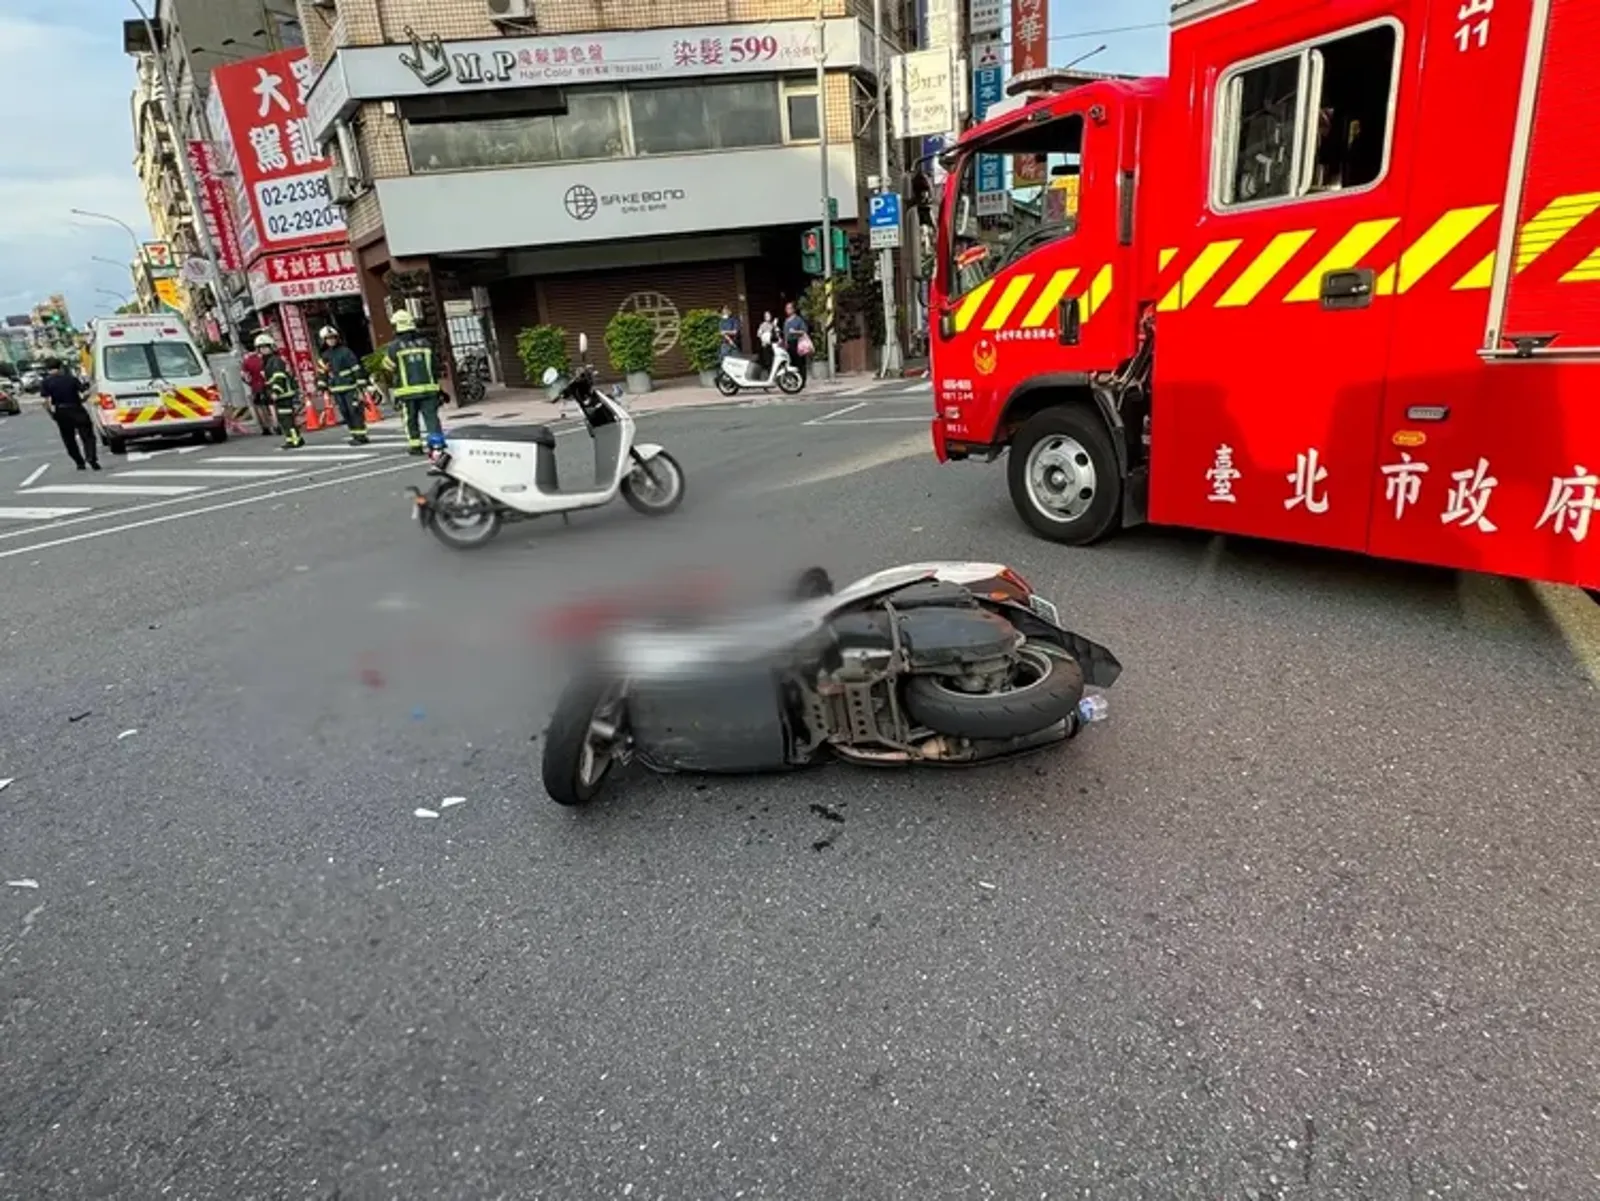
<point x="414" y="366"/>
<point x="345" y="378"/>
<point x="766" y="339"/>
<point x="797" y="339"/>
<point x="63" y="395"/>
<point x="283" y="388"/>
<point x="255" y="383"/>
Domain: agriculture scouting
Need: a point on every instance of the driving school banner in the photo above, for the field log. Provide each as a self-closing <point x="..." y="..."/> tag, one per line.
<point x="282" y="178"/>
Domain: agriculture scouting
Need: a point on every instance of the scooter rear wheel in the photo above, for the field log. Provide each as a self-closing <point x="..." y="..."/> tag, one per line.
<point x="458" y="526"/>
<point x="580" y="743"/>
<point x="725" y="384"/>
<point x="789" y="381"/>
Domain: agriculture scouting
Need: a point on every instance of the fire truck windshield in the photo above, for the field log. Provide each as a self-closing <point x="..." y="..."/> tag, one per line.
<point x="1017" y="191"/>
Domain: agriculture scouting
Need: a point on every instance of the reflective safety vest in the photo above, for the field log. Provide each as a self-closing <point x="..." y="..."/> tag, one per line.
<point x="411" y="360"/>
<point x="341" y="370"/>
<point x="281" y="381"/>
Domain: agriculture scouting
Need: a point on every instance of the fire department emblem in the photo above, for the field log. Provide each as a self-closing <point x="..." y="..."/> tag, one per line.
<point x="984" y="357"/>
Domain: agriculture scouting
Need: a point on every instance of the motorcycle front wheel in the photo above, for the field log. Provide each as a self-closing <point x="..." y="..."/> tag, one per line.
<point x="461" y="517"/>
<point x="725" y="384"/>
<point x="655" y="486"/>
<point x="1043" y="689"/>
<point x="789" y="382"/>
<point x="581" y="741"/>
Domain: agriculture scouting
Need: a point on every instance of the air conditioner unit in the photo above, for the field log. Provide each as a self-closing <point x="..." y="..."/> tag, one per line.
<point x="340" y="189"/>
<point x="509" y="10"/>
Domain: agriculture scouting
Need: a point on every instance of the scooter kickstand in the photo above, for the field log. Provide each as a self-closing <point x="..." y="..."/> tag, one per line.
<point x="566" y="519"/>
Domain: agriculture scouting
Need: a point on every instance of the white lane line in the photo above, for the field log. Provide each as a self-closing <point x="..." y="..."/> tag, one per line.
<point x="858" y="391"/>
<point x="876" y="420"/>
<point x="837" y="413"/>
<point x="35" y="475"/>
<point x="205" y="473"/>
<point x="184" y="514"/>
<point x="144" y="456"/>
<point x="285" y="460"/>
<point x="19" y="514"/>
<point x="116" y="490"/>
<point x="924" y="386"/>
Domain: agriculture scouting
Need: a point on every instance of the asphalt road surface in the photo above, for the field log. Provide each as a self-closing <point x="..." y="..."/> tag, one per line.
<point x="1312" y="916"/>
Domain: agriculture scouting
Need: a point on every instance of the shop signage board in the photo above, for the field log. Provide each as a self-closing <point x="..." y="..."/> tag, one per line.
<point x="158" y="259"/>
<point x="282" y="170"/>
<point x="985" y="18"/>
<point x="924" y="93"/>
<point x="304" y="275"/>
<point x="988" y="89"/>
<point x="1030" y="51"/>
<point x="428" y="65"/>
<point x="297" y="342"/>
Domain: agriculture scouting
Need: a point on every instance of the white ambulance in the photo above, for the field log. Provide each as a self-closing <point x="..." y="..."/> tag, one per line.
<point x="149" y="380"/>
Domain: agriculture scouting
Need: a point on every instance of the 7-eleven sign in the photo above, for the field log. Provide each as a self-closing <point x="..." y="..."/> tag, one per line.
<point x="158" y="255"/>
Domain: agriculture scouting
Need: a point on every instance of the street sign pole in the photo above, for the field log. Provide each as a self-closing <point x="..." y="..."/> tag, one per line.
<point x="827" y="192"/>
<point x="891" y="318"/>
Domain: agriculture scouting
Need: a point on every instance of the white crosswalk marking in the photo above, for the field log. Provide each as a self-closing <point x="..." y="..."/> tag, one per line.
<point x="206" y="473"/>
<point x="292" y="461"/>
<point x="115" y="489"/>
<point x="920" y="386"/>
<point x="26" y="514"/>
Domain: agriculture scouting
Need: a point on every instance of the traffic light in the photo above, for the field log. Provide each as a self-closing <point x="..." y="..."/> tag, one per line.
<point x="811" y="251"/>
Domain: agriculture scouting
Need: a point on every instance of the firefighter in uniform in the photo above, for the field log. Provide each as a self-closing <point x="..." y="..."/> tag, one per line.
<point x="284" y="390"/>
<point x="346" y="379"/>
<point x="412" y="363"/>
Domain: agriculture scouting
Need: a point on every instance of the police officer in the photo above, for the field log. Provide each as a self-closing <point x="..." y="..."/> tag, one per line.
<point x="284" y="389"/>
<point x="344" y="376"/>
<point x="412" y="363"/>
<point x="63" y="396"/>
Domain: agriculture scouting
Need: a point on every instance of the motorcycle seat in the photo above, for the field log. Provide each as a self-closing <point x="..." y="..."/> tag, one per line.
<point x="539" y="435"/>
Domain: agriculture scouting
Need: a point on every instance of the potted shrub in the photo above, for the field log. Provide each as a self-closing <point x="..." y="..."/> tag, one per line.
<point x="541" y="348"/>
<point x="701" y="335"/>
<point x="631" y="346"/>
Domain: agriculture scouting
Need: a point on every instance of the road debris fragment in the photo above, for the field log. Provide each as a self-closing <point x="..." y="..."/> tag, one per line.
<point x="23" y="883"/>
<point x="424" y="813"/>
<point x="127" y="734"/>
<point x="452" y="800"/>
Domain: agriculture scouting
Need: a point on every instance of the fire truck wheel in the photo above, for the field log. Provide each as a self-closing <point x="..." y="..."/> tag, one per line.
<point x="1594" y="594"/>
<point x="1063" y="476"/>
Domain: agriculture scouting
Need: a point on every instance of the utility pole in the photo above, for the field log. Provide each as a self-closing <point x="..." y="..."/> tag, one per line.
<point x="208" y="249"/>
<point x="891" y="317"/>
<point x="827" y="197"/>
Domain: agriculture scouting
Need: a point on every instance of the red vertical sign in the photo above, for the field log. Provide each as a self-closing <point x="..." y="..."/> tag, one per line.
<point x="214" y="205"/>
<point x="297" y="340"/>
<point x="1030" y="51"/>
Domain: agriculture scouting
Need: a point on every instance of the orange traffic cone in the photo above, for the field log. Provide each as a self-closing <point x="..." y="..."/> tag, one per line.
<point x="370" y="409"/>
<point x="312" y="422"/>
<point x="330" y="415"/>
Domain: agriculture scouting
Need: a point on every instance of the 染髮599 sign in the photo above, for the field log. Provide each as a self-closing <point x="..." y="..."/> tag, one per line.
<point x="285" y="178"/>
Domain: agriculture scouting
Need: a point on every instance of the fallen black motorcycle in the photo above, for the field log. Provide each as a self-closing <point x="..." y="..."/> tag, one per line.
<point x="930" y="663"/>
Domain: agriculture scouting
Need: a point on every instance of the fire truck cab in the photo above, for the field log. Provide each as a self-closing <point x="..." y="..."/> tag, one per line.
<point x="1334" y="280"/>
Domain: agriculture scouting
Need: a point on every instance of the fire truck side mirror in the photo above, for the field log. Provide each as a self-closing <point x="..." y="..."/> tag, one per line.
<point x="1069" y="322"/>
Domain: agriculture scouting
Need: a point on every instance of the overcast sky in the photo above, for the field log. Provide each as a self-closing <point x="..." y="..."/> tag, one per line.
<point x="65" y="87"/>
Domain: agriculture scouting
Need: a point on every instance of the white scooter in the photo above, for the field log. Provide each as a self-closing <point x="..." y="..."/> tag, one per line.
<point x="737" y="373"/>
<point x="492" y="473"/>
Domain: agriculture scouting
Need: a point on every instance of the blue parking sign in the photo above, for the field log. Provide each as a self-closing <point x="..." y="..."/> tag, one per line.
<point x="883" y="211"/>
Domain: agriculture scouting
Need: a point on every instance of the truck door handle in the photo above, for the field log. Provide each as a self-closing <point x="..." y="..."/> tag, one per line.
<point x="1348" y="289"/>
<point x="1068" y="322"/>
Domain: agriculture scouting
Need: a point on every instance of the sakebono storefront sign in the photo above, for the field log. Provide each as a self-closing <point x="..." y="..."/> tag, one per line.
<point x="461" y="211"/>
<point x="583" y="203"/>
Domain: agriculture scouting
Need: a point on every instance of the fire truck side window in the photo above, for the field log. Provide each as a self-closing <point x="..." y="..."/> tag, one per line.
<point x="1312" y="121"/>
<point x="1020" y="192"/>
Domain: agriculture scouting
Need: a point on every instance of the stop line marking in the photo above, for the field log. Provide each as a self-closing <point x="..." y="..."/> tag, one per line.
<point x="115" y="490"/>
<point x="25" y="514"/>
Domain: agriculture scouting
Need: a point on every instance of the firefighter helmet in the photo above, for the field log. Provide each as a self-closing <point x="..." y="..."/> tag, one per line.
<point x="326" y="332"/>
<point x="265" y="341"/>
<point x="403" y="321"/>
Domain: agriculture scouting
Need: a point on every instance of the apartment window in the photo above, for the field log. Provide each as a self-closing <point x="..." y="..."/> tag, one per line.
<point x="800" y="112"/>
<point x="591" y="128"/>
<point x="1312" y="121"/>
<point x="683" y="119"/>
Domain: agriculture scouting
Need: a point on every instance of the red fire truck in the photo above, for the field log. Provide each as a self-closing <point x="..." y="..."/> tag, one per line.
<point x="1335" y="280"/>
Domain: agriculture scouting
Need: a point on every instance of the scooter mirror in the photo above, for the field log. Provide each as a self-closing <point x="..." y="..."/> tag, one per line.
<point x="551" y="375"/>
<point x="583" y="343"/>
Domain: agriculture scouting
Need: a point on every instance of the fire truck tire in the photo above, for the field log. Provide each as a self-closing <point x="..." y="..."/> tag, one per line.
<point x="1594" y="594"/>
<point x="1064" y="478"/>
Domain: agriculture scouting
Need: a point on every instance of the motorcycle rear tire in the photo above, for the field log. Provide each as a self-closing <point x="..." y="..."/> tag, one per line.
<point x="445" y="529"/>
<point x="725" y="384"/>
<point x="566" y="739"/>
<point x="1051" y="696"/>
<point x="790" y="381"/>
